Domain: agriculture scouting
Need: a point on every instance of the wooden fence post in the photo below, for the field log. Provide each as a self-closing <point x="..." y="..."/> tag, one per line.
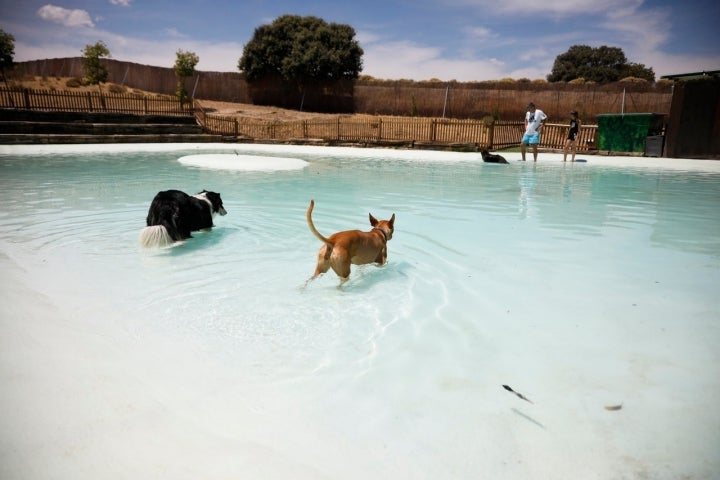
<point x="337" y="134"/>
<point x="26" y="93"/>
<point x="491" y="131"/>
<point x="433" y="129"/>
<point x="89" y="100"/>
<point x="236" y="127"/>
<point x="380" y="125"/>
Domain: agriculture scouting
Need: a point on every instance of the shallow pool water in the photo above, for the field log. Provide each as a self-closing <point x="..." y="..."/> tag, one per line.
<point x="581" y="286"/>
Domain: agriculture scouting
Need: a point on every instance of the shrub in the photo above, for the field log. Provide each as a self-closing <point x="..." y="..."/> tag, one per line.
<point x="115" y="88"/>
<point x="73" y="82"/>
<point x="632" y="80"/>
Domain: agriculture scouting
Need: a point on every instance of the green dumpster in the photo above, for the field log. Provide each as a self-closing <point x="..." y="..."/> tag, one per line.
<point x="627" y="132"/>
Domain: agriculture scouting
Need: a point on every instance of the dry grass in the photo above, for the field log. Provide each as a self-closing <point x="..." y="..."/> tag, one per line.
<point x="247" y="110"/>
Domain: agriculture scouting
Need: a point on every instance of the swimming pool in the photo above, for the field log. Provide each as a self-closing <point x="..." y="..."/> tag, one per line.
<point x="581" y="286"/>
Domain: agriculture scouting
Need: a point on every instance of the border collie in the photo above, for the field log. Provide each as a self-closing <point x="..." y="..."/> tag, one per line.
<point x="174" y="214"/>
<point x="492" y="157"/>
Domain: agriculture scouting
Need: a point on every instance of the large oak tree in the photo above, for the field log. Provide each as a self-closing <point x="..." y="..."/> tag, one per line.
<point x="303" y="51"/>
<point x="601" y="65"/>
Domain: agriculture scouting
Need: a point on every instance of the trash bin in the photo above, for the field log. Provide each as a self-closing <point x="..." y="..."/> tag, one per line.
<point x="627" y="132"/>
<point x="654" y="145"/>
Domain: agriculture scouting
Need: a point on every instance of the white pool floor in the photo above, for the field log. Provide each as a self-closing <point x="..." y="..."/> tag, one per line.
<point x="589" y="288"/>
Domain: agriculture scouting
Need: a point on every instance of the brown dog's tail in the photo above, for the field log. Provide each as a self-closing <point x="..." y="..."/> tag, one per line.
<point x="312" y="226"/>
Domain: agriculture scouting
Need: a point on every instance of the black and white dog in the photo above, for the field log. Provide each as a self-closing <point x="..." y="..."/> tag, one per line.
<point x="174" y="214"/>
<point x="492" y="157"/>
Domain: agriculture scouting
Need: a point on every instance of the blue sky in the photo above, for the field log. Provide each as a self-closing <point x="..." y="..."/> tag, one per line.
<point x="462" y="40"/>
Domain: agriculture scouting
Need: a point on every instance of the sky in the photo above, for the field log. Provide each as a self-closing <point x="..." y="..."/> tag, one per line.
<point x="463" y="40"/>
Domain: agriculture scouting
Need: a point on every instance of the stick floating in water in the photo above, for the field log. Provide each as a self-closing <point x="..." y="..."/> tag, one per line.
<point x="519" y="395"/>
<point x="613" y="408"/>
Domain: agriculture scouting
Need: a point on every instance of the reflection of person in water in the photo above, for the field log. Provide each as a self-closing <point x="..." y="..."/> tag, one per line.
<point x="526" y="200"/>
<point x="534" y="119"/>
<point x="571" y="141"/>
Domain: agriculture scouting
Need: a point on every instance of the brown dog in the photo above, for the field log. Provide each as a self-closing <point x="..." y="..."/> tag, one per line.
<point x="352" y="246"/>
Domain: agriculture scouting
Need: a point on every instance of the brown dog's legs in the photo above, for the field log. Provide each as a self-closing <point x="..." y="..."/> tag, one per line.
<point x="323" y="260"/>
<point x="342" y="268"/>
<point x="382" y="257"/>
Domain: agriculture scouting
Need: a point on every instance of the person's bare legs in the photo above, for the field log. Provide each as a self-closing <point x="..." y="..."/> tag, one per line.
<point x="565" y="150"/>
<point x="573" y="148"/>
<point x="534" y="152"/>
<point x="523" y="146"/>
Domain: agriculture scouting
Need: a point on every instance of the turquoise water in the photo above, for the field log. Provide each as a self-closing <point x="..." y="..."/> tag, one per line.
<point x="580" y="285"/>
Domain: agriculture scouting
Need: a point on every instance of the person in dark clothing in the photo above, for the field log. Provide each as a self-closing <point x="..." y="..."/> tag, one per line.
<point x="570" y="142"/>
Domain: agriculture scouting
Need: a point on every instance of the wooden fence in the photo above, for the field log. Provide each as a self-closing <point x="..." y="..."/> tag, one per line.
<point x="371" y="129"/>
<point x="68" y="101"/>
<point x="387" y="130"/>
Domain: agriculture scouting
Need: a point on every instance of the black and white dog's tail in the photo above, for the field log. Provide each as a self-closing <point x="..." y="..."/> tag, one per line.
<point x="155" y="236"/>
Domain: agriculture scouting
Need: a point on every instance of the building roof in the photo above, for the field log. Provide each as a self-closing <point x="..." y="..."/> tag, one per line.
<point x="693" y="76"/>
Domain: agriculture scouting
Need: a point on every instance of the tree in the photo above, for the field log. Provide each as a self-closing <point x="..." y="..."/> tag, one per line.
<point x="7" y="51"/>
<point x="95" y="71"/>
<point x="602" y="65"/>
<point x="638" y="70"/>
<point x="302" y="51"/>
<point x="184" y="67"/>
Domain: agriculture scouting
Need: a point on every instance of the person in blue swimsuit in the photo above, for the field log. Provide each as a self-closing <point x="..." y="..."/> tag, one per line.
<point x="570" y="142"/>
<point x="534" y="120"/>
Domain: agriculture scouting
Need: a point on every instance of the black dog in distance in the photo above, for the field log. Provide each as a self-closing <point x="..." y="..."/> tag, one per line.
<point x="492" y="157"/>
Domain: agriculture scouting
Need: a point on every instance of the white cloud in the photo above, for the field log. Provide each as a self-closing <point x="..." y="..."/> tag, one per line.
<point x="174" y="32"/>
<point x="398" y="60"/>
<point x="64" y="16"/>
<point x="25" y="52"/>
<point x="533" y="54"/>
<point x="546" y="7"/>
<point x="480" y="32"/>
<point x="667" y="64"/>
<point x="365" y="36"/>
<point x="122" y="3"/>
<point x="214" y="57"/>
<point x="654" y="32"/>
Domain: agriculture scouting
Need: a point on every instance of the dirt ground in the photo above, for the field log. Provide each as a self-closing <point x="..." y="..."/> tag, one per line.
<point x="245" y="110"/>
<point x="258" y="111"/>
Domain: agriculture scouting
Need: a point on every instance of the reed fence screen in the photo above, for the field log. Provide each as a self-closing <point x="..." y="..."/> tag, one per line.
<point x="371" y="129"/>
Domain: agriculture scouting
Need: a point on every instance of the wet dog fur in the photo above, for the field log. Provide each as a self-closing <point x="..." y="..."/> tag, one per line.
<point x="355" y="247"/>
<point x="492" y="157"/>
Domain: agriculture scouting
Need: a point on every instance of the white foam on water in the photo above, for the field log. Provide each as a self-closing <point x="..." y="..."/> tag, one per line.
<point x="237" y="162"/>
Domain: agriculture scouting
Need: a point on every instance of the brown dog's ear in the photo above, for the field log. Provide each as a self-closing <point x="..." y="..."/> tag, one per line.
<point x="391" y="222"/>
<point x="373" y="220"/>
